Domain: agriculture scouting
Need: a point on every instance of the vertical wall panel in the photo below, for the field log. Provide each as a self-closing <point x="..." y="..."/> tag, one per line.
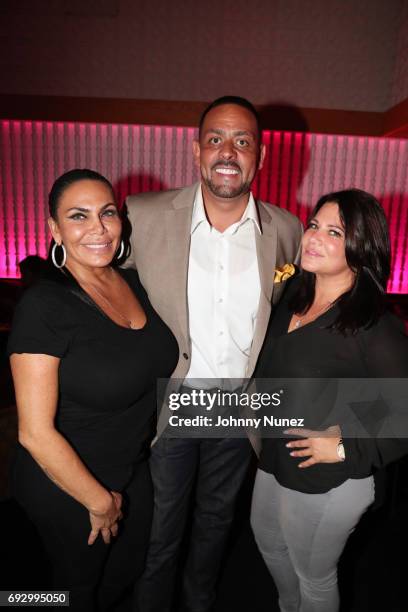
<point x="298" y="169"/>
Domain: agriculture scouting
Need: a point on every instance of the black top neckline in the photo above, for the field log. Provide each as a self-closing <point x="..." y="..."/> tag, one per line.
<point x="327" y="312"/>
<point x="122" y="273"/>
<point x="64" y="277"/>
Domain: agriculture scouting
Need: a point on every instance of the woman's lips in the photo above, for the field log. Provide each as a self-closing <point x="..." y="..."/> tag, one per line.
<point x="97" y="246"/>
<point x="311" y="253"/>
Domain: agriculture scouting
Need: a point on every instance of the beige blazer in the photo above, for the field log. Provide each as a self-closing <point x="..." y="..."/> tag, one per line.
<point x="160" y="243"/>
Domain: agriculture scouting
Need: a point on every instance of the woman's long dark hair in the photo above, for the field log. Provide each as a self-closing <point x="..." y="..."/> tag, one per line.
<point x="368" y="254"/>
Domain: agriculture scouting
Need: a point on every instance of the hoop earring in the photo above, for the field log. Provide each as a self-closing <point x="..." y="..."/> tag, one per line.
<point x="64" y="255"/>
<point x="121" y="250"/>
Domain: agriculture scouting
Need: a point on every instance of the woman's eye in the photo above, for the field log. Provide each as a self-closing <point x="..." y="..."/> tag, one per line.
<point x="335" y="233"/>
<point x="311" y="225"/>
<point x="77" y="216"/>
<point x="111" y="212"/>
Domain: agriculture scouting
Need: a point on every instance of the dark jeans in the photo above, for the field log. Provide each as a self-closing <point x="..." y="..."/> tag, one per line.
<point x="217" y="468"/>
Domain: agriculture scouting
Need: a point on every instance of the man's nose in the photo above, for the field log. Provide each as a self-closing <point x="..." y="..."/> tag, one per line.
<point x="228" y="151"/>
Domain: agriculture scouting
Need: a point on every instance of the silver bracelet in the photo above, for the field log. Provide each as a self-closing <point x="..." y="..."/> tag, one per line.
<point x="340" y="450"/>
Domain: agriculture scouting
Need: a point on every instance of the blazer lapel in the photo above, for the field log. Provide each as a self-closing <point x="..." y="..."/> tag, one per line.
<point x="266" y="245"/>
<point x="178" y="229"/>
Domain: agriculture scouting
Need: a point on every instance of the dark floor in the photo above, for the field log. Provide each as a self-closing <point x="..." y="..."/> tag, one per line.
<point x="373" y="568"/>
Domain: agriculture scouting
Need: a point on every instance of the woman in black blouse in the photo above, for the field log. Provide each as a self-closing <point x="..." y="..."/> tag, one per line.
<point x="311" y="491"/>
<point x="86" y="349"/>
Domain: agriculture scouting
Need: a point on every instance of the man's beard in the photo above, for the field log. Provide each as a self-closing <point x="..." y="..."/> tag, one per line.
<point x="225" y="190"/>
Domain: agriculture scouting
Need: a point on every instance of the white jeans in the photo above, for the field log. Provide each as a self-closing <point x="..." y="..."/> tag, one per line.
<point x="302" y="535"/>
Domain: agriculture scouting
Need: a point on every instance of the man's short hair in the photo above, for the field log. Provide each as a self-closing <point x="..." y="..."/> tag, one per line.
<point x="238" y="101"/>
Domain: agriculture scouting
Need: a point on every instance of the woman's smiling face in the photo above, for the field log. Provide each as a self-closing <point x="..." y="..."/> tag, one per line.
<point x="323" y="244"/>
<point x="87" y="224"/>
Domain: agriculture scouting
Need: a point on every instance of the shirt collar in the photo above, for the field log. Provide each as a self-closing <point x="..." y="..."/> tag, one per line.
<point x="251" y="212"/>
<point x="199" y="216"/>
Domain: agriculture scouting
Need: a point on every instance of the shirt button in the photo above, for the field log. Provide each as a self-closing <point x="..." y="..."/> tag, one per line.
<point x="221" y="333"/>
<point x="185" y="355"/>
<point x="221" y="267"/>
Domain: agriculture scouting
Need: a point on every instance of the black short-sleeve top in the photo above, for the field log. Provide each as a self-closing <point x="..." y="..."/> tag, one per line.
<point x="107" y="373"/>
<point x="314" y="351"/>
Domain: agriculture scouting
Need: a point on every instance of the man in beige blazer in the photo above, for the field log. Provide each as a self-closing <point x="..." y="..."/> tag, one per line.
<point x="206" y="255"/>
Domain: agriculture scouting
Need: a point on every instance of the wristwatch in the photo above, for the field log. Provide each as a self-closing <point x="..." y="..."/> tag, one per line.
<point x="340" y="450"/>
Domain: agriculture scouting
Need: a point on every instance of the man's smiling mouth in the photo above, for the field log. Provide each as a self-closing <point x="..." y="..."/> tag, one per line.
<point x="227" y="171"/>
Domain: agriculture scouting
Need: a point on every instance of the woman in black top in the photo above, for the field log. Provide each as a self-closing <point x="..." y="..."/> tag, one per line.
<point x="86" y="349"/>
<point x="311" y="491"/>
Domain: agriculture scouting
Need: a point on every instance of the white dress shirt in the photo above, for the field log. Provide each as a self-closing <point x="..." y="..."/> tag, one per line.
<point x="223" y="295"/>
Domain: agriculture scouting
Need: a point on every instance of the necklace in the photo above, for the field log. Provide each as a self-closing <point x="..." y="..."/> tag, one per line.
<point x="128" y="322"/>
<point x="300" y="320"/>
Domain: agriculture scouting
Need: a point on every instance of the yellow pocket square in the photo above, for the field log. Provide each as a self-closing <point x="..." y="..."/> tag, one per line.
<point x="283" y="273"/>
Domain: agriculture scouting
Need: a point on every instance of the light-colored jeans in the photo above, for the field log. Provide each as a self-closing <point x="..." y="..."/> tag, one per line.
<point x="302" y="535"/>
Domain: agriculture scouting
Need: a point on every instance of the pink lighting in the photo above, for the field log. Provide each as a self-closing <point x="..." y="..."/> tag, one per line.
<point x="298" y="169"/>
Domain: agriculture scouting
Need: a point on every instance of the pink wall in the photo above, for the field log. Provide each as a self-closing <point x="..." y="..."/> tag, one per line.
<point x="298" y="169"/>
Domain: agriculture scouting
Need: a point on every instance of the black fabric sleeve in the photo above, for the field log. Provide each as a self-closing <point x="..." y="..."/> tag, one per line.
<point x="385" y="351"/>
<point x="385" y="348"/>
<point x="39" y="325"/>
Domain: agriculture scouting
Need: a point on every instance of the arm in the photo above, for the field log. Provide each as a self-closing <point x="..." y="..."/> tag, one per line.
<point x="385" y="351"/>
<point x="365" y="449"/>
<point x="374" y="440"/>
<point x="35" y="379"/>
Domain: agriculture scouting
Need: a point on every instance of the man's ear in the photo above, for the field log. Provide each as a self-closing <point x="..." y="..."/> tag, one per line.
<point x="262" y="152"/>
<point x="55" y="233"/>
<point x="196" y="152"/>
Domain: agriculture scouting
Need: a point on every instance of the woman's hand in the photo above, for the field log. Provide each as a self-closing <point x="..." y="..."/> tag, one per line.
<point x="318" y="446"/>
<point x="106" y="521"/>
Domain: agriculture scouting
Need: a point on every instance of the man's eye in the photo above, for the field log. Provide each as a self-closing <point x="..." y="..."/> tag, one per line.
<point x="242" y="143"/>
<point x="215" y="140"/>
